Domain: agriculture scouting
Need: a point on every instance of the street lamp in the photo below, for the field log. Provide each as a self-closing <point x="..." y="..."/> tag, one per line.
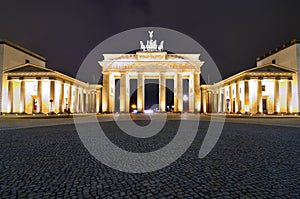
<point x="51" y="106"/>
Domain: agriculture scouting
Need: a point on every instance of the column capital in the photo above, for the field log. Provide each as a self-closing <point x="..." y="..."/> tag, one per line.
<point x="260" y="78"/>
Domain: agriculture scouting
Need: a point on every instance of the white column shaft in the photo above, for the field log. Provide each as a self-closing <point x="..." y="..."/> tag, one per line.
<point x="179" y="93"/>
<point x="197" y="92"/>
<point x="191" y="93"/>
<point x="289" y="96"/>
<point x="276" y="96"/>
<point x="259" y="96"/>
<point x="10" y="96"/>
<point x="140" y="92"/>
<point x="40" y="97"/>
<point x="162" y="92"/>
<point x="23" y="97"/>
<point x="123" y="92"/>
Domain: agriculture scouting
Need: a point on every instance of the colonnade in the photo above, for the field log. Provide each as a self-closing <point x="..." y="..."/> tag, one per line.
<point x="223" y="100"/>
<point x="77" y="99"/>
<point x="108" y="91"/>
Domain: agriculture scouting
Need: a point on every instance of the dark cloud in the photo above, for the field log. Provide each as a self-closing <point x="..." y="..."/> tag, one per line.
<point x="233" y="32"/>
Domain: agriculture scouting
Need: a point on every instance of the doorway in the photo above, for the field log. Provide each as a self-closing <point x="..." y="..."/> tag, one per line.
<point x="233" y="106"/>
<point x="264" y="106"/>
<point x="34" y="104"/>
<point x="151" y="94"/>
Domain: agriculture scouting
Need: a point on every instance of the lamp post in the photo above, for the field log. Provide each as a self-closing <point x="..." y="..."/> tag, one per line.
<point x="51" y="107"/>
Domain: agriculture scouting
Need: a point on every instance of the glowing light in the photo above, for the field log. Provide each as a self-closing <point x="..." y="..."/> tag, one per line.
<point x="133" y="106"/>
<point x="148" y="111"/>
<point x="185" y="98"/>
<point x="247" y="108"/>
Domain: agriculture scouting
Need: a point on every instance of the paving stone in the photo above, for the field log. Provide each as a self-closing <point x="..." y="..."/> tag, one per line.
<point x="248" y="161"/>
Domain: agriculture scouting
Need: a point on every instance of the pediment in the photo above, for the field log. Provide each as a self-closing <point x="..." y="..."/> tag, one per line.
<point x="272" y="68"/>
<point x="28" y="68"/>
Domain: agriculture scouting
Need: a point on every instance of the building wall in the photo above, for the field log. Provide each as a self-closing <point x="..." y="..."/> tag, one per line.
<point x="13" y="57"/>
<point x="286" y="57"/>
<point x="290" y="58"/>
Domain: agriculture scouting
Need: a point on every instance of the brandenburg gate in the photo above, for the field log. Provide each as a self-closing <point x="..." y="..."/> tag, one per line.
<point x="151" y="62"/>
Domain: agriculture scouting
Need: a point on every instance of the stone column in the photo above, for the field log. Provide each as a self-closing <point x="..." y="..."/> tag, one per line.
<point x="98" y="102"/>
<point x="140" y="92"/>
<point x="105" y="92"/>
<point x="215" y="105"/>
<point x="123" y="90"/>
<point x="111" y="93"/>
<point x="259" y="96"/>
<point x="23" y="97"/>
<point x="62" y="97"/>
<point x="209" y="102"/>
<point x="179" y="93"/>
<point x="87" y="101"/>
<point x="224" y="100"/>
<point x="70" y="104"/>
<point x="276" y="97"/>
<point x="162" y="92"/>
<point x="231" y="99"/>
<point x="289" y="96"/>
<point x="93" y="102"/>
<point x="197" y="92"/>
<point x="246" y="96"/>
<point x="191" y="93"/>
<point x="52" y="95"/>
<point x="220" y="108"/>
<point x="81" y="103"/>
<point x="175" y="94"/>
<point x="39" y="94"/>
<point x="76" y="100"/>
<point x="204" y="103"/>
<point x="237" y="98"/>
<point x="127" y="104"/>
<point x="11" y="96"/>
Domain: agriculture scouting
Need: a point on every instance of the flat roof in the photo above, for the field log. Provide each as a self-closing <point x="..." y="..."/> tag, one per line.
<point x="284" y="46"/>
<point x="16" y="46"/>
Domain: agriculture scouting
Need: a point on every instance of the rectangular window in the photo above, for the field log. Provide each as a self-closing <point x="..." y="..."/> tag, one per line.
<point x="274" y="61"/>
<point x="263" y="88"/>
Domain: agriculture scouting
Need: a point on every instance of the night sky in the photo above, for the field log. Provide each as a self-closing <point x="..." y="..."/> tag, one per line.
<point x="233" y="32"/>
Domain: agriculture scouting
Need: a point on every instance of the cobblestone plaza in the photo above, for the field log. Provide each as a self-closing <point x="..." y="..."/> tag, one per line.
<point x="248" y="161"/>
